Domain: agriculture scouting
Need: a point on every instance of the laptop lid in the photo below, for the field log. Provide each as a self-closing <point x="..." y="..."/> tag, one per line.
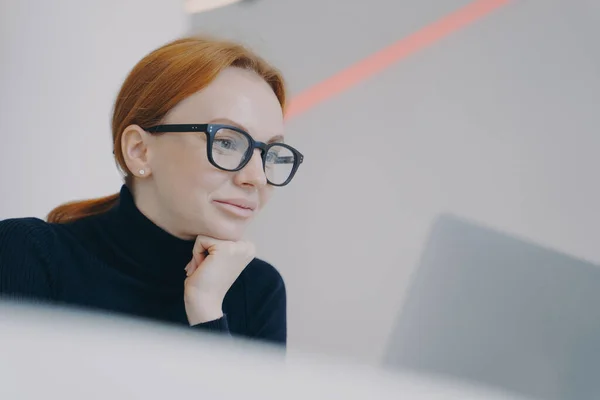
<point x="498" y="310"/>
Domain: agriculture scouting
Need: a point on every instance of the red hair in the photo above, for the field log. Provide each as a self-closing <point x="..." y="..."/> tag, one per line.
<point x="158" y="83"/>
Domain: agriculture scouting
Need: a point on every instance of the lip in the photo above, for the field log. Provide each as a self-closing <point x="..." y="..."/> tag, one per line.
<point x="238" y="207"/>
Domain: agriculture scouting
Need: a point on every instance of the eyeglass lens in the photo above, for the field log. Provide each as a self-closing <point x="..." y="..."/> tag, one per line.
<point x="230" y="151"/>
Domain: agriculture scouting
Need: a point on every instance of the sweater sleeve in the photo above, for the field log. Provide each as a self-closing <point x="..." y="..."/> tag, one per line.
<point x="217" y="326"/>
<point x="25" y="250"/>
<point x="266" y="303"/>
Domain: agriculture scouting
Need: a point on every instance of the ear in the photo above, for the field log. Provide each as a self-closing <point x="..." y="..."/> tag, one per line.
<point x="136" y="153"/>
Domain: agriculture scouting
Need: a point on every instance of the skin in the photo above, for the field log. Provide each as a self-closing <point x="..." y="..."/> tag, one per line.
<point x="180" y="190"/>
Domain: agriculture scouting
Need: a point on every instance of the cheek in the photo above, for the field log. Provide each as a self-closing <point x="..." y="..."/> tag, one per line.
<point x="200" y="175"/>
<point x="187" y="169"/>
<point x="265" y="195"/>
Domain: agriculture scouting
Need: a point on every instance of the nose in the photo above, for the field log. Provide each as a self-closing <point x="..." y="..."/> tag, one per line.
<point x="253" y="173"/>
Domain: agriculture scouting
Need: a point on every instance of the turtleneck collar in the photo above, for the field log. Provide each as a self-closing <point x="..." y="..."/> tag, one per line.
<point x="149" y="253"/>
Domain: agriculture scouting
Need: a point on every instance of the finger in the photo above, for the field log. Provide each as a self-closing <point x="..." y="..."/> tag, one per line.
<point x="202" y="247"/>
<point x="205" y="244"/>
<point x="198" y="258"/>
<point x="191" y="267"/>
<point x="250" y="248"/>
<point x="245" y="249"/>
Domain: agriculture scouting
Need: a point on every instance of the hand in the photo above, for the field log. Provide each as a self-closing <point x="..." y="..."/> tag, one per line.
<point x="214" y="266"/>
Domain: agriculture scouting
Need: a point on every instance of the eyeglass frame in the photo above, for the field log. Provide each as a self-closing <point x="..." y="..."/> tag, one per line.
<point x="211" y="130"/>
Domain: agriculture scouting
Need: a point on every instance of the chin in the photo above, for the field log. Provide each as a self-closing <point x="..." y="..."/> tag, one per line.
<point x="227" y="230"/>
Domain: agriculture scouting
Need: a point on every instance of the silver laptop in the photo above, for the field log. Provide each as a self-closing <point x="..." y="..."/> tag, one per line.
<point x="490" y="308"/>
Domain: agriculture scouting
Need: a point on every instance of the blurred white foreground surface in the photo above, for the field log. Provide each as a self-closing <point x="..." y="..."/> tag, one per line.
<point x="67" y="355"/>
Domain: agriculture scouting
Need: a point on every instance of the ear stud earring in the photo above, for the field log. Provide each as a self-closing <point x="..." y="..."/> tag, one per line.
<point x="142" y="172"/>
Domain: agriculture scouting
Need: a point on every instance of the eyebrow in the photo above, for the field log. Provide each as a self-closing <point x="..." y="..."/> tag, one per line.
<point x="275" y="139"/>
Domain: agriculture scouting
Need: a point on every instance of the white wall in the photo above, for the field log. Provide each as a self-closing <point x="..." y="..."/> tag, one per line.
<point x="62" y="63"/>
<point x="497" y="123"/>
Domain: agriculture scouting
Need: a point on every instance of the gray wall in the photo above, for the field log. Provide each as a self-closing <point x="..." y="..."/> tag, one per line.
<point x="497" y="122"/>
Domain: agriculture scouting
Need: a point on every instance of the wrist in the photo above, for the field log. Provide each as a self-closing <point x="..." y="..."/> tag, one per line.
<point x="201" y="309"/>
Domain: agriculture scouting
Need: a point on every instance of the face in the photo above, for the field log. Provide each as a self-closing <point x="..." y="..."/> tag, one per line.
<point x="182" y="191"/>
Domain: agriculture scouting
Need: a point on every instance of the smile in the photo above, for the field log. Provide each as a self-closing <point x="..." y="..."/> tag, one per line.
<point x="237" y="209"/>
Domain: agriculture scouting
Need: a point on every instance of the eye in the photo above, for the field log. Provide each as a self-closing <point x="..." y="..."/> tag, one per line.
<point x="225" y="144"/>
<point x="271" y="157"/>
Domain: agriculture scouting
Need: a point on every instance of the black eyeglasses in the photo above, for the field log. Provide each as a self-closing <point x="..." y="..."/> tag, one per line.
<point x="230" y="149"/>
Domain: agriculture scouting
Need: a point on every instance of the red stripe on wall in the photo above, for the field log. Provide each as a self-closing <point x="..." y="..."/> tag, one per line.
<point x="383" y="59"/>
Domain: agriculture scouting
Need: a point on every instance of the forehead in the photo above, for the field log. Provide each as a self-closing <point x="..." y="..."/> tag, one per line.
<point x="235" y="95"/>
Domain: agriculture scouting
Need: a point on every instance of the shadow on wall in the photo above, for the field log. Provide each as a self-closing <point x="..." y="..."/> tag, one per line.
<point x="487" y="307"/>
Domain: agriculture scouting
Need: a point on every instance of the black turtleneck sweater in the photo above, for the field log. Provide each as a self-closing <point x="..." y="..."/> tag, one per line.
<point x="121" y="262"/>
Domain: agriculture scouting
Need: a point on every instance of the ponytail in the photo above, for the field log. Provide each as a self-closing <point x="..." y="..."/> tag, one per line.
<point x="75" y="210"/>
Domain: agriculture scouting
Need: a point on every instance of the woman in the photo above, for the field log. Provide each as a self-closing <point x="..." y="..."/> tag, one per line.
<point x="198" y="134"/>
